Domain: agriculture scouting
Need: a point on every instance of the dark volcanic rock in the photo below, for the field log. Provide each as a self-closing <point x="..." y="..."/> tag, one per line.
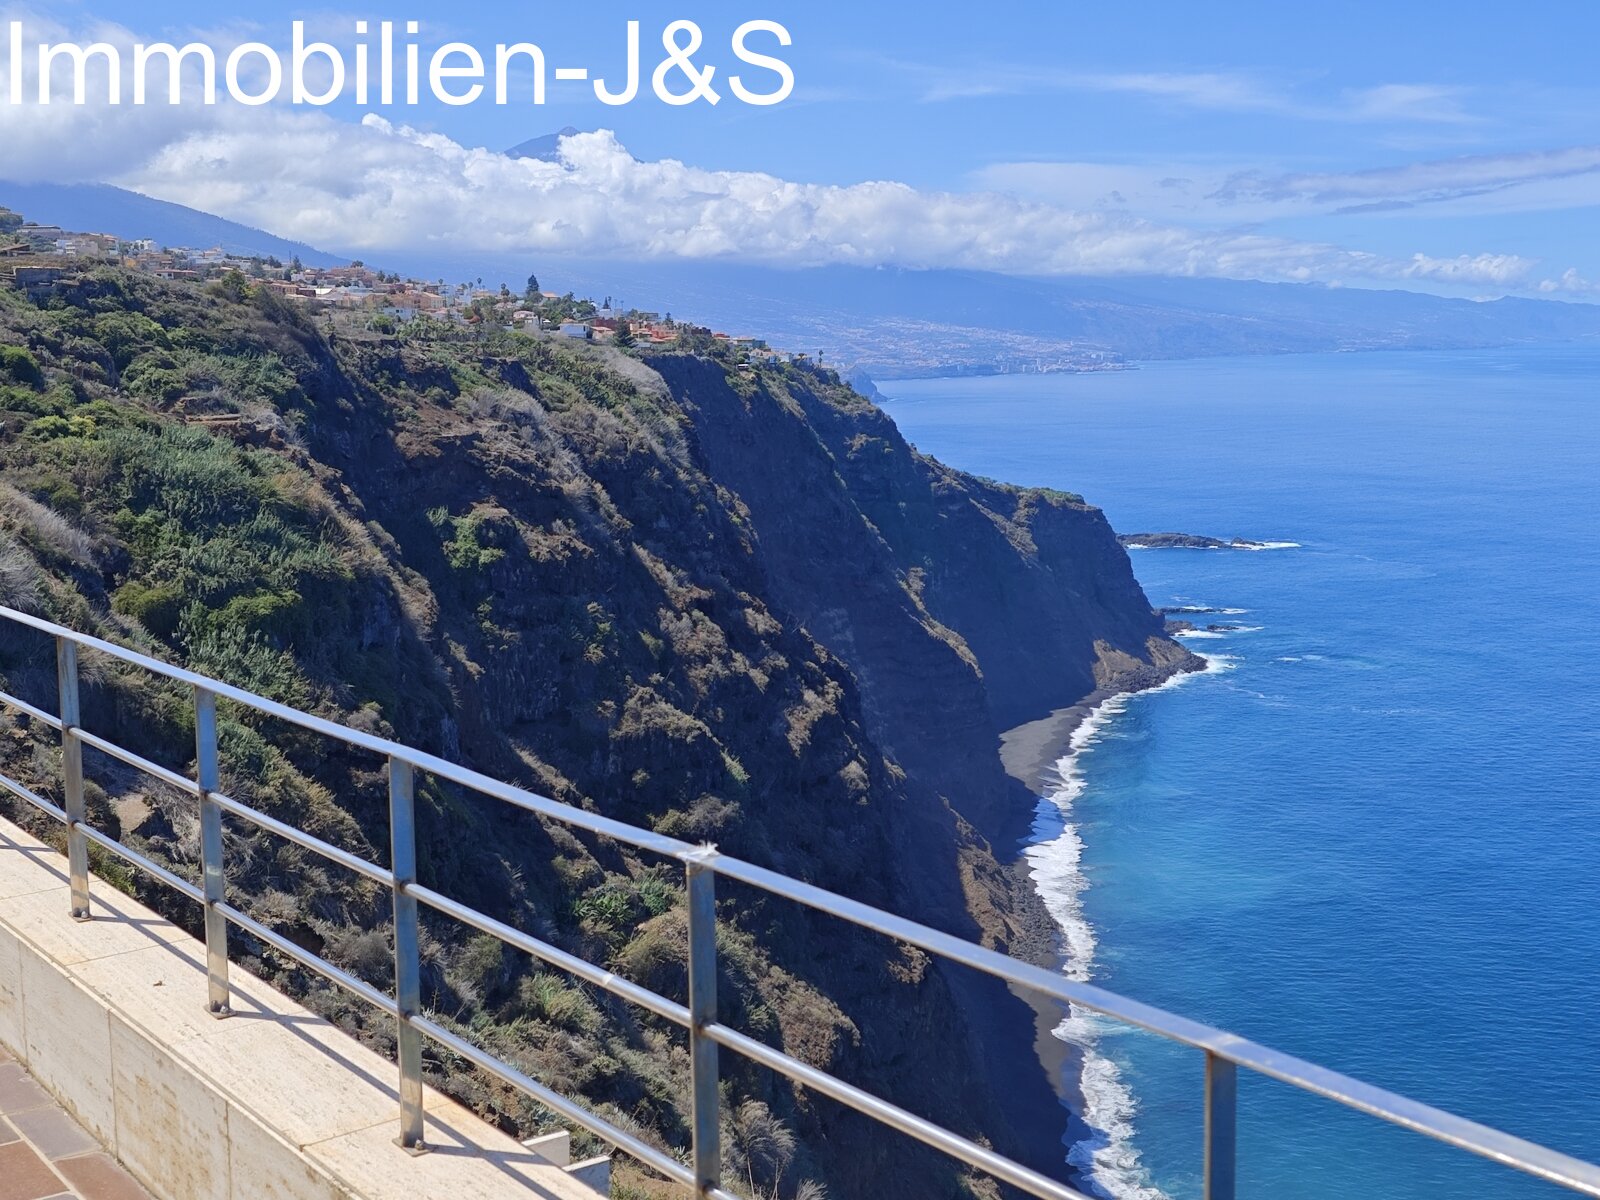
<point x="1184" y="541"/>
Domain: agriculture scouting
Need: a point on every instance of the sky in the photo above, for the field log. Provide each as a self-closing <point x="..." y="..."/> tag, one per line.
<point x="1446" y="147"/>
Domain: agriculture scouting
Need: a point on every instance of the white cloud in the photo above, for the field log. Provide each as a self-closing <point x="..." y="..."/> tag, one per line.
<point x="1416" y="183"/>
<point x="1212" y="90"/>
<point x="1571" y="283"/>
<point x="377" y="187"/>
<point x="65" y="143"/>
<point x="1536" y="181"/>
<point x="1218" y="91"/>
<point x="1406" y="102"/>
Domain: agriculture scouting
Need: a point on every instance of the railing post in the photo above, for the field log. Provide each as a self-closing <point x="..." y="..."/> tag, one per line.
<point x="72" y="775"/>
<point x="213" y="878"/>
<point x="705" y="1100"/>
<point x="407" y="955"/>
<point x="1222" y="1121"/>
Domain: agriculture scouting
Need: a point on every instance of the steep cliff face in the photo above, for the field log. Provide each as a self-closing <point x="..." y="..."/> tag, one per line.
<point x="730" y="605"/>
<point x="964" y="607"/>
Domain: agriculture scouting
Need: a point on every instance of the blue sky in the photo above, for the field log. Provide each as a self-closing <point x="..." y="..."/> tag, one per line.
<point x="1458" y="132"/>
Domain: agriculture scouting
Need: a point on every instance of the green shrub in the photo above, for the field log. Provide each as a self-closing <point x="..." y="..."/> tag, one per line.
<point x="163" y="385"/>
<point x="62" y="495"/>
<point x="157" y="607"/>
<point x="187" y="474"/>
<point x="607" y="908"/>
<point x="26" y="400"/>
<point x="19" y="366"/>
<point x="47" y="429"/>
<point x="466" y="550"/>
<point x="657" y="894"/>
<point x="244" y="660"/>
<point x="126" y="335"/>
<point x="550" y="998"/>
<point x="277" y="616"/>
<point x="478" y="968"/>
<point x="656" y="958"/>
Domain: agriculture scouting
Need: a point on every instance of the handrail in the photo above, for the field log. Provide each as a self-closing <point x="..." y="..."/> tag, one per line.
<point x="1225" y="1052"/>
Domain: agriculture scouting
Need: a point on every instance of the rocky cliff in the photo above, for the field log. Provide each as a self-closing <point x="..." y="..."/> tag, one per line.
<point x="727" y="603"/>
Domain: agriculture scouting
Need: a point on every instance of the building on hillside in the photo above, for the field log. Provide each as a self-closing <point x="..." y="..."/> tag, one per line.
<point x="86" y="245"/>
<point x="36" y="281"/>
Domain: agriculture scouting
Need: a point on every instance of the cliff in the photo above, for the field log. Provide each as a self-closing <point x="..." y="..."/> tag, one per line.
<point x="730" y="604"/>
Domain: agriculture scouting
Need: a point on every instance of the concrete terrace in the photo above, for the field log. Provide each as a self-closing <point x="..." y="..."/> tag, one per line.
<point x="45" y="1154"/>
<point x="108" y="1018"/>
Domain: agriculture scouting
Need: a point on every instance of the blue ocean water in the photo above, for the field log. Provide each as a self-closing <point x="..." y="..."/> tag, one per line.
<point x="1369" y="835"/>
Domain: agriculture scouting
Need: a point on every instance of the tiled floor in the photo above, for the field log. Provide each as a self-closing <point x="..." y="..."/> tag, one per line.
<point x="44" y="1155"/>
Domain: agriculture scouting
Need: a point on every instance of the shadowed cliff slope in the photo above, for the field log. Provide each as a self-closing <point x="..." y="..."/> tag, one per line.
<point x="726" y="603"/>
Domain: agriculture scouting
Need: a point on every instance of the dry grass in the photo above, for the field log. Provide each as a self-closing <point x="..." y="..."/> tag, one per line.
<point x="46" y="528"/>
<point x="20" y="581"/>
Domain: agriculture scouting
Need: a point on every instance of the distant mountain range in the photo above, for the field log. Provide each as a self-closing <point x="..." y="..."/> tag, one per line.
<point x="893" y="322"/>
<point x="896" y="322"/>
<point x="99" y="208"/>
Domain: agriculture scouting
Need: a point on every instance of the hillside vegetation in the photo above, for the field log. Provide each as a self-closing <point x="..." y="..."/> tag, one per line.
<point x="727" y="604"/>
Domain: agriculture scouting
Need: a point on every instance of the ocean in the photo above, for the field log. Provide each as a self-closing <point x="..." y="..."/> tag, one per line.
<point x="1368" y="835"/>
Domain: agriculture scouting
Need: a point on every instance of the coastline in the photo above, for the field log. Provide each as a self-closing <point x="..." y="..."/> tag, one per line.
<point x="1032" y="752"/>
<point x="1040" y="755"/>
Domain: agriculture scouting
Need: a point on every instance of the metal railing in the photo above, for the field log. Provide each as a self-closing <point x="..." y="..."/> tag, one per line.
<point x="1224" y="1052"/>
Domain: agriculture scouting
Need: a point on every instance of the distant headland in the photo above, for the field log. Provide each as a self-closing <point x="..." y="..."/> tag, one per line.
<point x="1194" y="541"/>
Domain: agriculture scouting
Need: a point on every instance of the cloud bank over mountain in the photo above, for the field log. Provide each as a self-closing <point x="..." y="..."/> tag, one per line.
<point x="381" y="186"/>
<point x="374" y="185"/>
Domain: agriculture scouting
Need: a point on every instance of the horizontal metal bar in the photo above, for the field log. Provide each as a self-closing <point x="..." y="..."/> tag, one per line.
<point x="556" y="1102"/>
<point x="176" y="882"/>
<point x="1562" y="1169"/>
<point x="311" y="961"/>
<point x="438" y="767"/>
<point x="182" y="782"/>
<point x="967" y="953"/>
<point x="893" y="1116"/>
<point x="38" y="714"/>
<point x="300" y="838"/>
<point x="33" y="798"/>
<point x="1528" y="1157"/>
<point x="599" y="976"/>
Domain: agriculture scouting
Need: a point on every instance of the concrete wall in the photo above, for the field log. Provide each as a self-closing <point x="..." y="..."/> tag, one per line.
<point x="273" y="1103"/>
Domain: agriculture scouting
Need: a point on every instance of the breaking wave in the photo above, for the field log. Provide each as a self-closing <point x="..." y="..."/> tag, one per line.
<point x="1108" y="1157"/>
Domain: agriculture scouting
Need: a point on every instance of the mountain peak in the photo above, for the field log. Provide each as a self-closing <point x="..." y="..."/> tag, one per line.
<point x="546" y="148"/>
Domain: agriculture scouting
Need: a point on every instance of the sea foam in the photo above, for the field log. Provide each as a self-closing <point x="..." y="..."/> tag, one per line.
<point x="1108" y="1157"/>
